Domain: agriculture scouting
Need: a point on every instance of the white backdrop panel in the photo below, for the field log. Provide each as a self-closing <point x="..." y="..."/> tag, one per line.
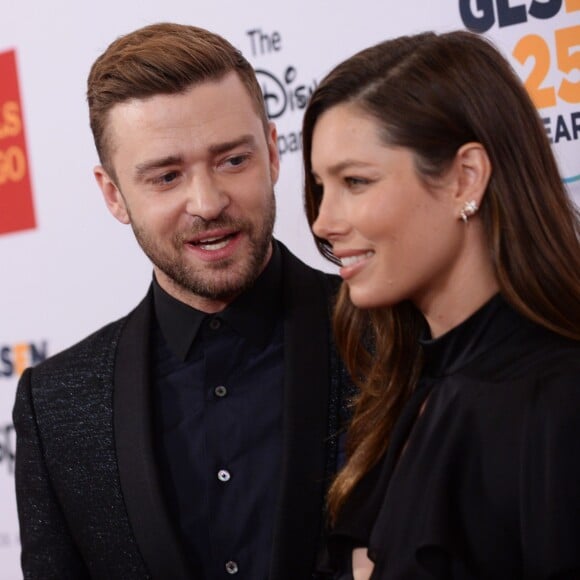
<point x="79" y="269"/>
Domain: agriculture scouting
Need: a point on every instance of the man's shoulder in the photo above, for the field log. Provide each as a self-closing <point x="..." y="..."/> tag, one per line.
<point x="98" y="345"/>
<point x="95" y="349"/>
<point x="330" y="282"/>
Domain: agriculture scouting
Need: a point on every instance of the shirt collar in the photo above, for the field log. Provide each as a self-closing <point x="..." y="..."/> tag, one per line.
<point x="484" y="330"/>
<point x="252" y="315"/>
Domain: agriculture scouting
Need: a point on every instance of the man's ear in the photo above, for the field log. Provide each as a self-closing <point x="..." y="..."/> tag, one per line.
<point x="274" y="156"/>
<point x="472" y="171"/>
<point x="113" y="196"/>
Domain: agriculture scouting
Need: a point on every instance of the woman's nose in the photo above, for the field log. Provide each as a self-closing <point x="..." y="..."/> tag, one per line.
<point x="330" y="221"/>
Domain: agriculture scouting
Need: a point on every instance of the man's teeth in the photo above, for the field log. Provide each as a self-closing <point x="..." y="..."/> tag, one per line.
<point x="214" y="244"/>
<point x="351" y="260"/>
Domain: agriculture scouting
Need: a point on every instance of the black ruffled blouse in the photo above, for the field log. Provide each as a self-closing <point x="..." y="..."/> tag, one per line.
<point x="484" y="483"/>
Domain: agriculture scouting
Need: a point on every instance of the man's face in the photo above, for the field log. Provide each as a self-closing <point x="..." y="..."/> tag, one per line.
<point x="195" y="174"/>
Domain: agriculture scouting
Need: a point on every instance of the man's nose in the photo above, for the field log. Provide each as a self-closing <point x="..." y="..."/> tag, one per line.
<point x="205" y="198"/>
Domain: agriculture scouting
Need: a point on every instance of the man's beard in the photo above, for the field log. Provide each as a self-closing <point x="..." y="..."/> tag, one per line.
<point x="223" y="280"/>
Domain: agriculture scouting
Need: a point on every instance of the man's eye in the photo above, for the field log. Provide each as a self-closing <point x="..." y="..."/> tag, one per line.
<point x="166" y="178"/>
<point x="236" y="160"/>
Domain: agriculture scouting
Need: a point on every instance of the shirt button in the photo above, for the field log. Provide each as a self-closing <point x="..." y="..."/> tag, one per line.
<point x="231" y="567"/>
<point x="215" y="323"/>
<point x="224" y="475"/>
<point x="220" y="391"/>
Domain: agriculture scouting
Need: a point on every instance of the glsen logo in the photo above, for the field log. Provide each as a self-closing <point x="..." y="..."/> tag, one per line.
<point x="7" y="446"/>
<point x="553" y="79"/>
<point x="16" y="205"/>
<point x="283" y="92"/>
<point x="15" y="358"/>
<point x="484" y="16"/>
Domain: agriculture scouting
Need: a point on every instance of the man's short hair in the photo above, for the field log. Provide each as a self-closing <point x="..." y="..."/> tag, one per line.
<point x="164" y="58"/>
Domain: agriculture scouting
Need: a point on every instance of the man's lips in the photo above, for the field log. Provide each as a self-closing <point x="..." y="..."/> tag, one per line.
<point x="215" y="245"/>
<point x="212" y="241"/>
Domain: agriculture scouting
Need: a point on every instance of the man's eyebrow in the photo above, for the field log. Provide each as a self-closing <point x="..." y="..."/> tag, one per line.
<point x="143" y="168"/>
<point x="229" y="145"/>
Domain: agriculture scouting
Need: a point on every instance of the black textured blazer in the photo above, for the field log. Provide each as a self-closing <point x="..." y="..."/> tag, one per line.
<point x="89" y="497"/>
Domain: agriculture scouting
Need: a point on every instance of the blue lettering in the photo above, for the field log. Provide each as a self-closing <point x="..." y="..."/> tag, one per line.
<point x="38" y="353"/>
<point x="8" y="366"/>
<point x="477" y="23"/>
<point x="508" y="15"/>
<point x="545" y="10"/>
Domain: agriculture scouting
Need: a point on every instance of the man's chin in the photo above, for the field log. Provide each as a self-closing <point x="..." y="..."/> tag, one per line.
<point x="223" y="290"/>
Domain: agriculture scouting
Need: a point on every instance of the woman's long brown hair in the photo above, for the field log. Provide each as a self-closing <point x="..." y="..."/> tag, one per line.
<point x="431" y="94"/>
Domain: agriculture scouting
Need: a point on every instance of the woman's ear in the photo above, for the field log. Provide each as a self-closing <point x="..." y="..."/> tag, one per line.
<point x="472" y="169"/>
<point x="112" y="194"/>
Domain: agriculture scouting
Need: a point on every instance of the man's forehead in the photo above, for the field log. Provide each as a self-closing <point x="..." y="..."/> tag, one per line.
<point x="200" y="103"/>
<point x="221" y="109"/>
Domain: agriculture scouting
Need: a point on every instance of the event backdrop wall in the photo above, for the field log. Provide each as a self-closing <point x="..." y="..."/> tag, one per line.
<point x="68" y="267"/>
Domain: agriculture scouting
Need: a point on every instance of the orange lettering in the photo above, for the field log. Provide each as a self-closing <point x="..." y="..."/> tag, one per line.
<point x="12" y="165"/>
<point x="20" y="357"/>
<point x="534" y="46"/>
<point x="567" y="40"/>
<point x="11" y="122"/>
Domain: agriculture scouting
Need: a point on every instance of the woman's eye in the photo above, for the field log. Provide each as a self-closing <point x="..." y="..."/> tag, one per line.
<point x="356" y="181"/>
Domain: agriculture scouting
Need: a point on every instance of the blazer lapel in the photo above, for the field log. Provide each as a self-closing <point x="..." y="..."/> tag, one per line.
<point x="307" y="369"/>
<point x="154" y="532"/>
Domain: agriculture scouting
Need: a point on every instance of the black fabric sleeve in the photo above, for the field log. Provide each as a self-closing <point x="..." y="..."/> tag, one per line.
<point x="550" y="481"/>
<point x="48" y="550"/>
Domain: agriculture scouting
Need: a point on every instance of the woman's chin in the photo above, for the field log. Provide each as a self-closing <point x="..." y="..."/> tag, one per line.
<point x="365" y="298"/>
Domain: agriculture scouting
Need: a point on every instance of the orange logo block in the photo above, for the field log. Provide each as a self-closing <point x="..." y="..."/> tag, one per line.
<point x="16" y="204"/>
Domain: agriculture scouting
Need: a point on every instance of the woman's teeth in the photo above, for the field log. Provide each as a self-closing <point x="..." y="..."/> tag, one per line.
<point x="351" y="260"/>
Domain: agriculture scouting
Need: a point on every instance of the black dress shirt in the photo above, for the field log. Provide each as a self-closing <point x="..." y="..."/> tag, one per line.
<point x="217" y="394"/>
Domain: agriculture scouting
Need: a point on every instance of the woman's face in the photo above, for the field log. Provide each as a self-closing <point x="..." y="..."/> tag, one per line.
<point x="396" y="238"/>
